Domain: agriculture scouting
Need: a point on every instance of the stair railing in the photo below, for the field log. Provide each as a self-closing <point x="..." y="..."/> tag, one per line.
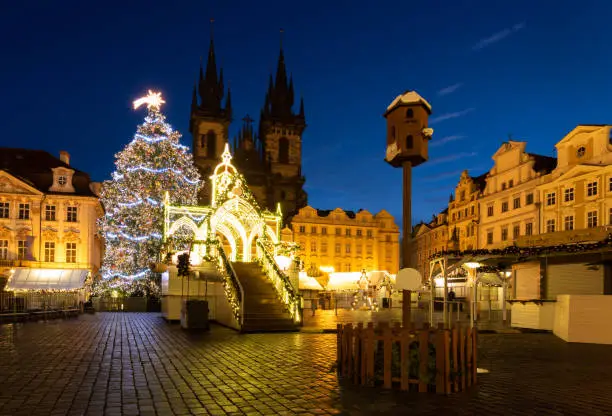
<point x="284" y="289"/>
<point x="233" y="289"/>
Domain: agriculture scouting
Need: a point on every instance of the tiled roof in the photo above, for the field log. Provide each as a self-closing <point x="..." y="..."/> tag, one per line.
<point x="34" y="167"/>
<point x="480" y="181"/>
<point x="544" y="164"/>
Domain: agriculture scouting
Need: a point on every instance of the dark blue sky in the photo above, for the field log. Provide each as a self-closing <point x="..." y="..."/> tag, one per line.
<point x="535" y="69"/>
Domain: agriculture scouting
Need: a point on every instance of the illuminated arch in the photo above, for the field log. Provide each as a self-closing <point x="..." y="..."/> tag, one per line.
<point x="184" y="221"/>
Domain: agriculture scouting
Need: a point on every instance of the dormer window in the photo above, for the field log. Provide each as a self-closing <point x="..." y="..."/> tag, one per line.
<point x="409" y="113"/>
<point x="581" y="151"/>
<point x="62" y="180"/>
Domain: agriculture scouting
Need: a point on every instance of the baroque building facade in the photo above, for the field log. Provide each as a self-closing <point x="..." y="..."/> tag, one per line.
<point x="269" y="157"/>
<point x="531" y="200"/>
<point x="48" y="213"/>
<point x="346" y="241"/>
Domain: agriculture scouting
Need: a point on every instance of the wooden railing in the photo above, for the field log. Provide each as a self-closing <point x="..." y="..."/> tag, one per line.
<point x="284" y="289"/>
<point x="231" y="284"/>
<point x="424" y="360"/>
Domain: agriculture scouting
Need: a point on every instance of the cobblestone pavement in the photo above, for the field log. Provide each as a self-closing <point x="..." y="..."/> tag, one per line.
<point x="114" y="363"/>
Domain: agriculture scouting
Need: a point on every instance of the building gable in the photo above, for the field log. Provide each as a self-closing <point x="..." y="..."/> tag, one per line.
<point x="10" y="184"/>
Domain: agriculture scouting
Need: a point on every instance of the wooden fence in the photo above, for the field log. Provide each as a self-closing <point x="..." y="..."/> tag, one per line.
<point x="424" y="360"/>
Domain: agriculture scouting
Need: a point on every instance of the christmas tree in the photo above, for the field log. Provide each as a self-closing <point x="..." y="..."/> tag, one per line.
<point x="153" y="164"/>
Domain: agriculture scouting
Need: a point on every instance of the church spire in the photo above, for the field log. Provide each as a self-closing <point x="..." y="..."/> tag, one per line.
<point x="210" y="86"/>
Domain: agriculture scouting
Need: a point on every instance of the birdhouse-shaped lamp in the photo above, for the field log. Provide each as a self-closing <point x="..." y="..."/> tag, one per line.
<point x="408" y="134"/>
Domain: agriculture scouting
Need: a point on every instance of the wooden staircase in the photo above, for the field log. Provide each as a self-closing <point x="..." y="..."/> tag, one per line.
<point x="263" y="311"/>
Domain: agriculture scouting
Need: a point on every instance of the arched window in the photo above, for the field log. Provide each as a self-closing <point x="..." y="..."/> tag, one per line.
<point x="211" y="144"/>
<point x="393" y="132"/>
<point x="409" y="113"/>
<point x="283" y="150"/>
<point x="409" y="142"/>
<point x="202" y="141"/>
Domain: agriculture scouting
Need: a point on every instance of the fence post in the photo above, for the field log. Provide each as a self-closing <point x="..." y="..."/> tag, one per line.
<point x="441" y="360"/>
<point x="406" y="307"/>
<point x="462" y="357"/>
<point x="349" y="350"/>
<point x="424" y="359"/>
<point x="468" y="358"/>
<point x="454" y="348"/>
<point x="339" y="348"/>
<point x="405" y="358"/>
<point x="387" y="353"/>
<point x="369" y="353"/>
<point x="474" y="356"/>
<point x="358" y="353"/>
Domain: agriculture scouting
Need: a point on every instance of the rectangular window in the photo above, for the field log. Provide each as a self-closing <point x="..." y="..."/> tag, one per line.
<point x="568" y="195"/>
<point x="504" y="206"/>
<point x="347" y="249"/>
<point x="529" y="228"/>
<point x="453" y="216"/>
<point x="569" y="223"/>
<point x="49" y="251"/>
<point x="503" y="186"/>
<point x="369" y="233"/>
<point x="504" y="234"/>
<point x="347" y="267"/>
<point x="313" y="230"/>
<point x="302" y="229"/>
<point x="472" y="210"/>
<point x="610" y="185"/>
<point x="22" y="249"/>
<point x="516" y="203"/>
<point x="592" y="188"/>
<point x="550" y="226"/>
<point x="529" y="199"/>
<point x="462" y="196"/>
<point x="338" y="248"/>
<point x="551" y="198"/>
<point x="313" y="246"/>
<point x="347" y="232"/>
<point x="50" y="213"/>
<point x="610" y="219"/>
<point x="369" y="250"/>
<point x="324" y="230"/>
<point x="4" y="209"/>
<point x="323" y="247"/>
<point x="71" y="214"/>
<point x="510" y="183"/>
<point x="359" y="233"/>
<point x="592" y="219"/>
<point x="338" y="231"/>
<point x="3" y="249"/>
<point x="70" y="252"/>
<point x="490" y="211"/>
<point x="516" y="232"/>
<point x="24" y="211"/>
<point x="489" y="237"/>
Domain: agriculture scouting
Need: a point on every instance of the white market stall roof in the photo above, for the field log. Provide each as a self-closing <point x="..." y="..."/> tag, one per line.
<point x="47" y="279"/>
<point x="309" y="283"/>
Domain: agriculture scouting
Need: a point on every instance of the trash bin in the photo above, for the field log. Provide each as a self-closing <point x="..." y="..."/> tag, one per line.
<point x="194" y="314"/>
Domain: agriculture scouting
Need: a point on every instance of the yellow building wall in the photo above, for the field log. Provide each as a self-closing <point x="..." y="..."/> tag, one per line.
<point x="36" y="230"/>
<point x="347" y="244"/>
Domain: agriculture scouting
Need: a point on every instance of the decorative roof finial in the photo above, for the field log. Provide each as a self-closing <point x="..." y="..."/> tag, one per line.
<point x="281" y="38"/>
<point x="212" y="21"/>
<point x="226" y="156"/>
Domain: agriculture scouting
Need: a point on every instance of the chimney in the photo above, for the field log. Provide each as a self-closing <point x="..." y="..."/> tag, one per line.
<point x="65" y="157"/>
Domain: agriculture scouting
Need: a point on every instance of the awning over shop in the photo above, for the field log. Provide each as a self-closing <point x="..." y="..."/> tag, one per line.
<point x="309" y="283"/>
<point x="47" y="279"/>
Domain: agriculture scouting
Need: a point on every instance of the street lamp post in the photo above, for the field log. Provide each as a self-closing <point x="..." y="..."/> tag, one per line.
<point x="472" y="266"/>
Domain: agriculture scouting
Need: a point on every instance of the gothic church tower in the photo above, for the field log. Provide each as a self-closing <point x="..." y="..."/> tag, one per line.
<point x="209" y="120"/>
<point x="280" y="130"/>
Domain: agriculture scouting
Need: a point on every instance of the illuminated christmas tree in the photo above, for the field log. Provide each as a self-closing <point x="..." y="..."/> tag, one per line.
<point x="151" y="165"/>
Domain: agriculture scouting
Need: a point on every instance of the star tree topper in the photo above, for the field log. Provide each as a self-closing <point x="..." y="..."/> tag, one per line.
<point x="153" y="100"/>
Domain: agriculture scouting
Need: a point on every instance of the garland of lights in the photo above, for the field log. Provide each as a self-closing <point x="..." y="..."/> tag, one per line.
<point x="153" y="163"/>
<point x="528" y="251"/>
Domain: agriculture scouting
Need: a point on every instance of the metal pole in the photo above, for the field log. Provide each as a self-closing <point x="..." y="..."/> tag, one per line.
<point x="445" y="304"/>
<point x="504" y="290"/>
<point x="407" y="218"/>
<point x="472" y="306"/>
<point x="432" y="293"/>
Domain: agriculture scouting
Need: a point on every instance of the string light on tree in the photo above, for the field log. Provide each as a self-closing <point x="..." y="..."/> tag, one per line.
<point x="152" y="164"/>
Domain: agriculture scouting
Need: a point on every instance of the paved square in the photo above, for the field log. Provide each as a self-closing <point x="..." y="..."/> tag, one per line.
<point x="136" y="364"/>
